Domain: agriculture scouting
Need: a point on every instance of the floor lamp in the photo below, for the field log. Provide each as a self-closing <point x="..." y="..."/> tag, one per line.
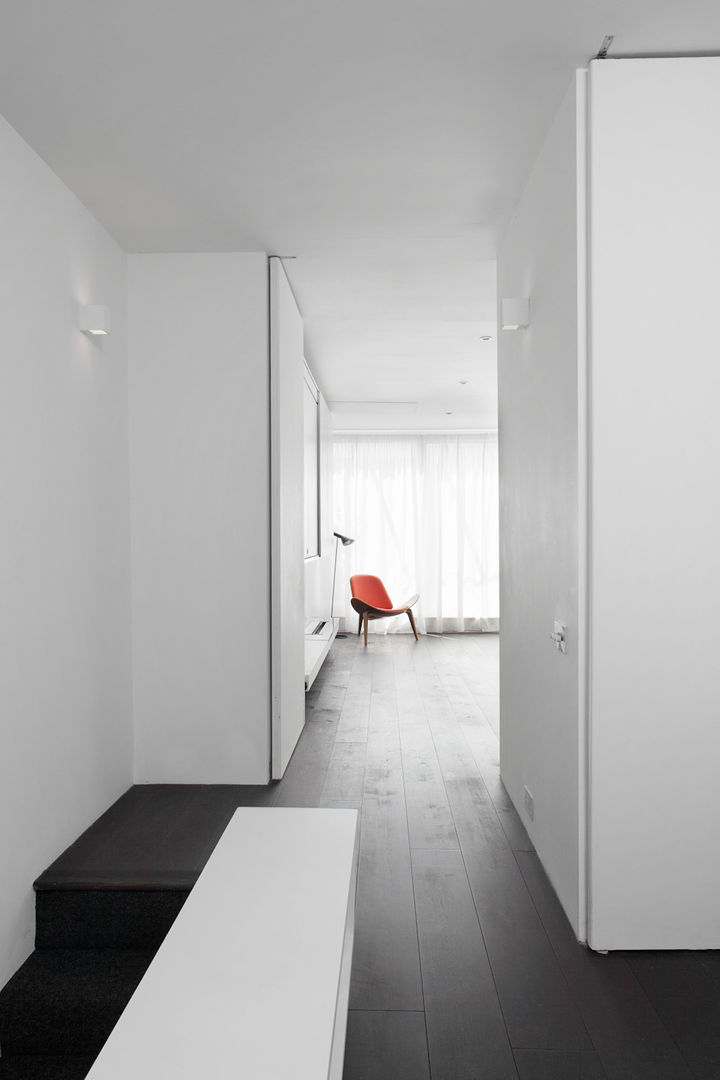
<point x="346" y="541"/>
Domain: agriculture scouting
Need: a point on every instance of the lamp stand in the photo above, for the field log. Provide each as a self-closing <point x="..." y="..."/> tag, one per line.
<point x="345" y="541"/>
<point x="332" y="600"/>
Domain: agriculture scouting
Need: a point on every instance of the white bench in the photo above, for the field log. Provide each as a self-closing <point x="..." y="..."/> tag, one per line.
<point x="252" y="981"/>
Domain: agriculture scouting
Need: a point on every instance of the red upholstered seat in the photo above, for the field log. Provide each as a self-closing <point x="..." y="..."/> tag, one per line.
<point x="371" y="601"/>
<point x="369" y="588"/>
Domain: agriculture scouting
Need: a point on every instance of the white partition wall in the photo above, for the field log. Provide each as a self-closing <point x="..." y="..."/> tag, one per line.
<point x="218" y="612"/>
<point x="541" y="437"/>
<point x="632" y="763"/>
<point x="199" y="437"/>
<point x="655" y="522"/>
<point x="287" y="501"/>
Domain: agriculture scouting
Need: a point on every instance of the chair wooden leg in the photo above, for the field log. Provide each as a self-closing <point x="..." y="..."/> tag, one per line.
<point x="360" y="624"/>
<point x="411" y="617"/>
<point x="367" y="620"/>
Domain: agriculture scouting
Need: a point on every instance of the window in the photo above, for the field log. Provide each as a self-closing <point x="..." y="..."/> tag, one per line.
<point x="424" y="511"/>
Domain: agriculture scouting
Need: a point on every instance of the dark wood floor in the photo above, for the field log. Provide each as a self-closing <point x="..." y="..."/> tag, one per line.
<point x="465" y="967"/>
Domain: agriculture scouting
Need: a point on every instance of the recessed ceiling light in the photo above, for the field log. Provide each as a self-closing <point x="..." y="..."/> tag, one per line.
<point x="448" y="414"/>
<point x="486" y="337"/>
<point x="463" y="382"/>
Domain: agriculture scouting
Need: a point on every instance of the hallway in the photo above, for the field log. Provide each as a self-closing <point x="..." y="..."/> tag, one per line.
<point x="465" y="967"/>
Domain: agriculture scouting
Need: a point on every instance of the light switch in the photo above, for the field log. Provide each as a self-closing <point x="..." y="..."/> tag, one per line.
<point x="559" y="636"/>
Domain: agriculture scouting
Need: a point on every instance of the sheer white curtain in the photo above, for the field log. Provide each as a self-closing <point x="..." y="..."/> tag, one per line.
<point x="423" y="510"/>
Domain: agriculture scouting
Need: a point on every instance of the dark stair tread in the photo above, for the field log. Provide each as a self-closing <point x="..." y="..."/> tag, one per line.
<point x="111" y="879"/>
<point x="46" y="1066"/>
<point x="155" y="836"/>
<point x="68" y="1000"/>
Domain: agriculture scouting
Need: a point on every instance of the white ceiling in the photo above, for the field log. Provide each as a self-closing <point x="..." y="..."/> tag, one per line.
<point x="382" y="142"/>
<point x="402" y="324"/>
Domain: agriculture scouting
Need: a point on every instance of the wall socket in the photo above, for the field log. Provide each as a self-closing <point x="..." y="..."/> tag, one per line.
<point x="529" y="804"/>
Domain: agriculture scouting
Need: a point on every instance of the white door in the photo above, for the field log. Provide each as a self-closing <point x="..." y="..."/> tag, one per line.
<point x="287" y="518"/>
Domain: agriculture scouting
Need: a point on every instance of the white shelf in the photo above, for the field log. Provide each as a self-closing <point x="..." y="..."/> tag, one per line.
<point x="317" y="646"/>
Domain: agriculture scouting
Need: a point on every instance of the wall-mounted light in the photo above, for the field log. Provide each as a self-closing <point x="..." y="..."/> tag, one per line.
<point x="94" y="319"/>
<point x="515" y="314"/>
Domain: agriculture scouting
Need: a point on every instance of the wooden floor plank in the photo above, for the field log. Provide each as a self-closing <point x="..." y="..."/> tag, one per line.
<point x="476" y="819"/>
<point x="386" y="1046"/>
<point x="456" y="759"/>
<point x="514" y="829"/>
<point x="537" y="1002"/>
<point x="305" y="775"/>
<point x="383" y="771"/>
<point x="628" y="1035"/>
<point x="559" y="1065"/>
<point x="354" y="717"/>
<point x="386" y="962"/>
<point x="430" y="820"/>
<point x="445" y="697"/>
<point x="345" y="777"/>
<point x="467" y="1037"/>
<point x="684" y="989"/>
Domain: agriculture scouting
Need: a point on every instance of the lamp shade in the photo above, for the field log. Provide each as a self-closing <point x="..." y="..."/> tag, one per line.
<point x="94" y="319"/>
<point x="515" y="313"/>
<point x="345" y="540"/>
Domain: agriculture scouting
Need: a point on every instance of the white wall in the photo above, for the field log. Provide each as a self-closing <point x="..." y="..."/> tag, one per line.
<point x="540" y="504"/>
<point x="199" y="437"/>
<point x="655" y="585"/>
<point x="319" y="572"/>
<point x="64" y="543"/>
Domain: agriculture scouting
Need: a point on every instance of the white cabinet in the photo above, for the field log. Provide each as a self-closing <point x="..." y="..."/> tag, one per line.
<point x="312" y="467"/>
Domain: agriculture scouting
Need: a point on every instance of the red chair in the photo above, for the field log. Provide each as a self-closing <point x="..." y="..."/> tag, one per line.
<point x="371" y="601"/>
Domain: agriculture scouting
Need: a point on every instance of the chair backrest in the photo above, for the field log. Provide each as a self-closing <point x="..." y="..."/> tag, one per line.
<point x="370" y="590"/>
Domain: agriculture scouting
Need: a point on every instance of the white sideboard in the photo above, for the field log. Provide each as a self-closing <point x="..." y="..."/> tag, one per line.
<point x="253" y="978"/>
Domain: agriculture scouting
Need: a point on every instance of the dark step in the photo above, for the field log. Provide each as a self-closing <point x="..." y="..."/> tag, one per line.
<point x="105" y="918"/>
<point x="156" y="836"/>
<point x="67" y="1001"/>
<point x="45" y="1067"/>
<point x="123" y="881"/>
